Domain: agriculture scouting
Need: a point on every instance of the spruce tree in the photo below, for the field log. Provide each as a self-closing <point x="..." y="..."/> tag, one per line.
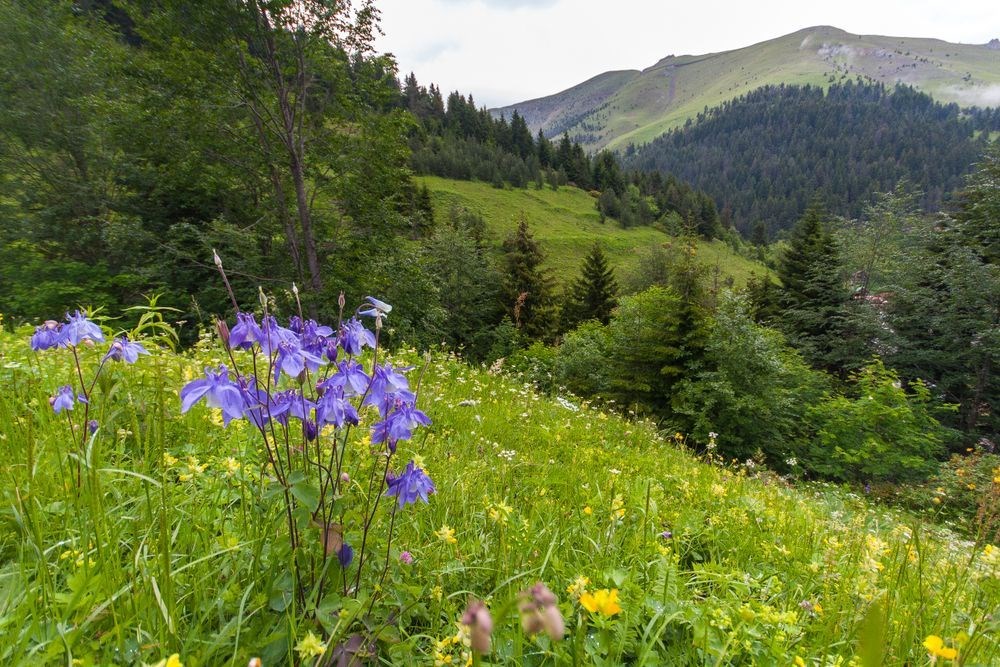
<point x="527" y="288"/>
<point x="814" y="295"/>
<point x="594" y="293"/>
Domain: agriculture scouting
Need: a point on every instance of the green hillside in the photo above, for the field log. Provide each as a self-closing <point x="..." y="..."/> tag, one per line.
<point x="163" y="539"/>
<point x="648" y="103"/>
<point x="566" y="223"/>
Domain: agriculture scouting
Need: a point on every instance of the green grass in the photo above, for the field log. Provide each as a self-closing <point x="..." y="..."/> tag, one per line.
<point x="567" y="224"/>
<point x="664" y="96"/>
<point x="174" y="542"/>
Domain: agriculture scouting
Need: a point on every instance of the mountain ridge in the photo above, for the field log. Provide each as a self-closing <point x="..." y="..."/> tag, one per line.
<point x="616" y="108"/>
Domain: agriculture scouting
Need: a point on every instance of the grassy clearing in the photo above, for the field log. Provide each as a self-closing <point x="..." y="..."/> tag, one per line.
<point x="171" y="544"/>
<point x="567" y="224"/>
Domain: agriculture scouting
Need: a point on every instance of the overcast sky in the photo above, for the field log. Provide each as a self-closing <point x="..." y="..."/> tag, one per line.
<point x="506" y="51"/>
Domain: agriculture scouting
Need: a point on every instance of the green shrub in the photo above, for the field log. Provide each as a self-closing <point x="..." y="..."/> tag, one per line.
<point x="581" y="365"/>
<point x="753" y="390"/>
<point x="536" y="364"/>
<point x="885" y="434"/>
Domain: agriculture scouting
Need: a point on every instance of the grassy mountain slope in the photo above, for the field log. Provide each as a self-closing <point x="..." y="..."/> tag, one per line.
<point x="677" y="88"/>
<point x="173" y="539"/>
<point x="566" y="223"/>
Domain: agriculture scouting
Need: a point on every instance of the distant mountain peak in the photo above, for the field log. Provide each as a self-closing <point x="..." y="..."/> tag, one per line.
<point x="615" y="109"/>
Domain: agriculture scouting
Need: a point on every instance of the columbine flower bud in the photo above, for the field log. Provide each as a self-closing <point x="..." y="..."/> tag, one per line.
<point x="477" y="618"/>
<point x="309" y="429"/>
<point x="295" y="289"/>
<point x="345" y="555"/>
<point x="223" y="330"/>
<point x="216" y="259"/>
<point x="540" y="613"/>
<point x="341" y="301"/>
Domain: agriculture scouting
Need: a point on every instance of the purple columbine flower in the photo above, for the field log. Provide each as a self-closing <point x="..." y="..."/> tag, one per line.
<point x="78" y="329"/>
<point x="387" y="380"/>
<point x="666" y="535"/>
<point x="411" y="485"/>
<point x="332" y="408"/>
<point x="63" y="400"/>
<point x="314" y="337"/>
<point x="272" y="335"/>
<point x="245" y="333"/>
<point x="122" y="349"/>
<point x="47" y="336"/>
<point x="399" y="424"/>
<point x="375" y="308"/>
<point x="218" y="392"/>
<point x="292" y="359"/>
<point x="354" y="337"/>
<point x="92" y="426"/>
<point x="350" y="377"/>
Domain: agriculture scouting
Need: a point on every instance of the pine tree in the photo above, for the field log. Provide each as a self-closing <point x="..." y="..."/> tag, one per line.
<point x="814" y="295"/>
<point x="520" y="136"/>
<point x="594" y="293"/>
<point x="527" y="288"/>
<point x="545" y="150"/>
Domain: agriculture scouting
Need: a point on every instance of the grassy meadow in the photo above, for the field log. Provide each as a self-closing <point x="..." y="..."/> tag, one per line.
<point x="167" y="548"/>
<point x="566" y="223"/>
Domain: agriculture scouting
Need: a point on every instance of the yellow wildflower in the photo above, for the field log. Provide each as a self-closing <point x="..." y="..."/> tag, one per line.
<point x="936" y="648"/>
<point x="578" y="587"/>
<point x="418" y="461"/>
<point x="168" y="460"/>
<point x="231" y="465"/>
<point x="500" y="511"/>
<point x="617" y="507"/>
<point x="799" y="662"/>
<point x="587" y="510"/>
<point x="172" y="661"/>
<point x="446" y="534"/>
<point x="604" y="602"/>
<point x="311" y="646"/>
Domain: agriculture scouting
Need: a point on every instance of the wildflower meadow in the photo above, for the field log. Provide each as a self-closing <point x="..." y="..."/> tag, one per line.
<point x="289" y="492"/>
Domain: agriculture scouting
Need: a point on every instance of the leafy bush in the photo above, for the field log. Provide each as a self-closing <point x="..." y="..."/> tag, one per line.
<point x="965" y="490"/>
<point x="885" y="434"/>
<point x="536" y="364"/>
<point x="581" y="365"/>
<point x="754" y="389"/>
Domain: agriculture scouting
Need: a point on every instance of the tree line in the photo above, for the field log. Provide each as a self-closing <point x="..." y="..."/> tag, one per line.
<point x="455" y="139"/>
